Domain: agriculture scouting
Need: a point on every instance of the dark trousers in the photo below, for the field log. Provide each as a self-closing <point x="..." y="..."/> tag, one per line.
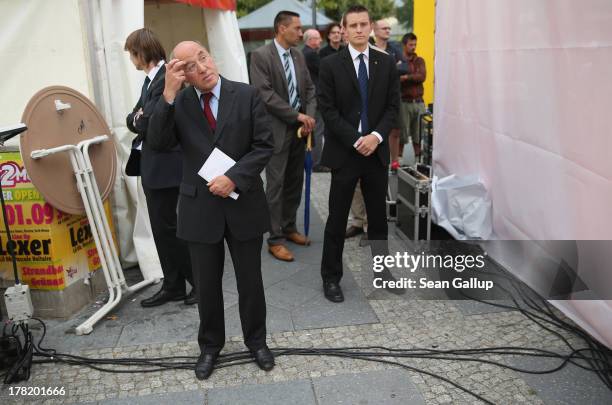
<point x="208" y="261"/>
<point x="374" y="179"/>
<point x="319" y="139"/>
<point x="173" y="252"/>
<point x="284" y="181"/>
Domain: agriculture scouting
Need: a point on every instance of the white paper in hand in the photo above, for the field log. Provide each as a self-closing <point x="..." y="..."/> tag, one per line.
<point x="216" y="165"/>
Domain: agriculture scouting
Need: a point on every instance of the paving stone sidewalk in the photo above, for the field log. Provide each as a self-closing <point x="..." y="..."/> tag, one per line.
<point x="299" y="316"/>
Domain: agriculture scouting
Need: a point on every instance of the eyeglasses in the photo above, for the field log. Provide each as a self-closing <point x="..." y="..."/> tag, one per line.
<point x="334" y="32"/>
<point x="191" y="66"/>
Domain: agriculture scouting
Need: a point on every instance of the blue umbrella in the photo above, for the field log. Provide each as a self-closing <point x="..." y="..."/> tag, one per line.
<point x="308" y="171"/>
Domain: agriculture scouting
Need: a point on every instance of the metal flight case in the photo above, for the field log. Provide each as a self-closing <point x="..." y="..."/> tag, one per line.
<point x="414" y="202"/>
<point x="426" y="131"/>
<point x="391" y="199"/>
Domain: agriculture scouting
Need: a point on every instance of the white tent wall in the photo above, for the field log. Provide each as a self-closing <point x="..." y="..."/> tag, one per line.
<point x="79" y="44"/>
<point x="522" y="98"/>
<point x="41" y="44"/>
<point x="117" y="85"/>
<point x="225" y="44"/>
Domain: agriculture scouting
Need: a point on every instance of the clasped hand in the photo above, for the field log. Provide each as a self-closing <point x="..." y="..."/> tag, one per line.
<point x="308" y="123"/>
<point x="221" y="186"/>
<point x="366" y="145"/>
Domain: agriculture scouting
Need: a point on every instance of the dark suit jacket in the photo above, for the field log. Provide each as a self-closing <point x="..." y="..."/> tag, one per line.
<point x="243" y="133"/>
<point x="268" y="75"/>
<point x="312" y="62"/>
<point x="340" y="104"/>
<point x="157" y="169"/>
<point x="328" y="50"/>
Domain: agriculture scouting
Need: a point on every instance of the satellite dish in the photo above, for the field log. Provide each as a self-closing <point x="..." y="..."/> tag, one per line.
<point x="57" y="116"/>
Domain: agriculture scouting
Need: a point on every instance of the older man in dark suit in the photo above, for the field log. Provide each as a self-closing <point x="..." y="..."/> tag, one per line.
<point x="358" y="95"/>
<point x="279" y="71"/>
<point x="216" y="113"/>
<point x="160" y="172"/>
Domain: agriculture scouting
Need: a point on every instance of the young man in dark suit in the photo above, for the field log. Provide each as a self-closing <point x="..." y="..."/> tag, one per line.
<point x="358" y="95"/>
<point x="160" y="172"/>
<point x="216" y="113"/>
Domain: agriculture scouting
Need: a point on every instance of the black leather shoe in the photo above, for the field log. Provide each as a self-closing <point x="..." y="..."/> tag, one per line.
<point x="353" y="231"/>
<point x="191" y="298"/>
<point x="333" y="292"/>
<point x="161" y="298"/>
<point x="264" y="358"/>
<point x="205" y="365"/>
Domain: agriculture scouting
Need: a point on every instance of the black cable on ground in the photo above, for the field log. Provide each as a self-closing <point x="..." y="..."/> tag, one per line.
<point x="541" y="313"/>
<point x="20" y="370"/>
<point x="594" y="357"/>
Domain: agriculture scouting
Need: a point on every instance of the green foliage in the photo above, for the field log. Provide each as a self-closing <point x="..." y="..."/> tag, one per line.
<point x="334" y="8"/>
<point x="378" y="8"/>
<point x="405" y="14"/>
<point x="244" y="7"/>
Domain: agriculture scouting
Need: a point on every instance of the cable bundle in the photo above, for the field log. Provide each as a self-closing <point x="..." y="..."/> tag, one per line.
<point x="20" y="370"/>
<point x="592" y="357"/>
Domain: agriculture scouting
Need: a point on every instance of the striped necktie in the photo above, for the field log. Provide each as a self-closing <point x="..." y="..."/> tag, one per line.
<point x="294" y="98"/>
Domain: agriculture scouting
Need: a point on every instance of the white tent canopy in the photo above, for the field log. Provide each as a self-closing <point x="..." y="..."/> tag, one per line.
<point x="263" y="17"/>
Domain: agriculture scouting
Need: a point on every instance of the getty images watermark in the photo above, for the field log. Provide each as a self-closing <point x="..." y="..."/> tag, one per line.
<point x="412" y="263"/>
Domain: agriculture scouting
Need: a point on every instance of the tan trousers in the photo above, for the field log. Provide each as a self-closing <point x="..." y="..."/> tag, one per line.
<point x="358" y="210"/>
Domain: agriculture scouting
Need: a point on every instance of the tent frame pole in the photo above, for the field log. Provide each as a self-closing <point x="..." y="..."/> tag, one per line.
<point x="103" y="237"/>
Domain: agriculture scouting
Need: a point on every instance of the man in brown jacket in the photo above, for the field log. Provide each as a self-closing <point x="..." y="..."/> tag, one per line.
<point x="279" y="72"/>
<point x="412" y="105"/>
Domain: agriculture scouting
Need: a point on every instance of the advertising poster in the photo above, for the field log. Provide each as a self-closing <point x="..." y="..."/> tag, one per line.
<point x="53" y="249"/>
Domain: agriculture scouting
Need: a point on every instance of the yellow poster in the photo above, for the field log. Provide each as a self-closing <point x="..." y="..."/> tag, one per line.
<point x="53" y="249"/>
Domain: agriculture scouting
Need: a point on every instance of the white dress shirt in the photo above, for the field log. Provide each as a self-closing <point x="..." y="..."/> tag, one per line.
<point x="153" y="72"/>
<point x="366" y="58"/>
<point x="281" y="51"/>
<point x="214" y="100"/>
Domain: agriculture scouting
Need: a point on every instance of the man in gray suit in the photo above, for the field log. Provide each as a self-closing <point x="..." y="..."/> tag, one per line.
<point x="279" y="71"/>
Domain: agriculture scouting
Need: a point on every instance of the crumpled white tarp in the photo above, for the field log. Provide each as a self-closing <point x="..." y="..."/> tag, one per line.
<point x="462" y="206"/>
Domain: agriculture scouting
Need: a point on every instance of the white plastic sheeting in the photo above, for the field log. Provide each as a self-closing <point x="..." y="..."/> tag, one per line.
<point x="523" y="97"/>
<point x="462" y="206"/>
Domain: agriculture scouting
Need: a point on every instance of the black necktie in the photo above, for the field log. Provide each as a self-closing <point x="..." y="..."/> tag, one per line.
<point x="145" y="86"/>
<point x="362" y="78"/>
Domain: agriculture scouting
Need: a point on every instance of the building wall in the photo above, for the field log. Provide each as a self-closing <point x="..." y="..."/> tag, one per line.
<point x="173" y="23"/>
<point x="424" y="28"/>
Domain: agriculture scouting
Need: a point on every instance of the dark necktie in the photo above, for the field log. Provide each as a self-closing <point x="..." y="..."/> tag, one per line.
<point x="362" y="78"/>
<point x="212" y="122"/>
<point x="143" y="92"/>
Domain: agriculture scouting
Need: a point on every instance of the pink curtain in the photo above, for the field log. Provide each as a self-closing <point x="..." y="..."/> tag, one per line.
<point x="523" y="98"/>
